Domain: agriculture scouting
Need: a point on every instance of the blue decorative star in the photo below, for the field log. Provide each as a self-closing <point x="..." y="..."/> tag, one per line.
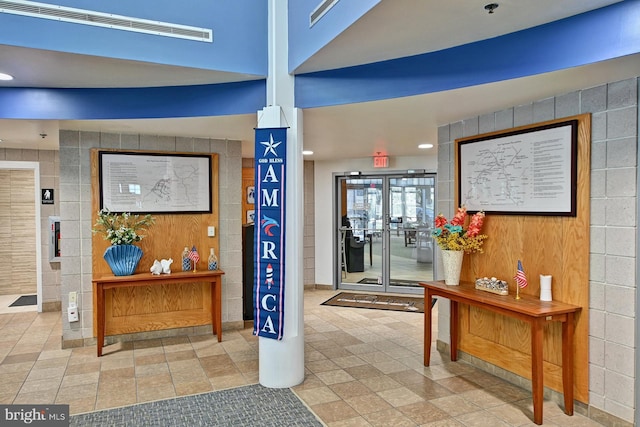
<point x="270" y="146"/>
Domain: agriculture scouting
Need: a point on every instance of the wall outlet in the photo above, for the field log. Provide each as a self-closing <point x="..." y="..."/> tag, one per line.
<point x="72" y="313"/>
<point x="73" y="298"/>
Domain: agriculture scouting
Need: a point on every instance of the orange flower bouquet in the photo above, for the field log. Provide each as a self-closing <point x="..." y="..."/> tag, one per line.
<point x="452" y="236"/>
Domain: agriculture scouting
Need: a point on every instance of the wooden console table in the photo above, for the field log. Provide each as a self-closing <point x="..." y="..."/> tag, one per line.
<point x="214" y="278"/>
<point x="528" y="309"/>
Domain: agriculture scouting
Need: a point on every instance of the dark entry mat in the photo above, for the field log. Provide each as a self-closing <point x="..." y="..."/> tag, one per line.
<point x="380" y="302"/>
<point x="25" y="300"/>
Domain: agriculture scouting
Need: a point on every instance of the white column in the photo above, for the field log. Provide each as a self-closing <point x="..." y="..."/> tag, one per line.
<point x="281" y="363"/>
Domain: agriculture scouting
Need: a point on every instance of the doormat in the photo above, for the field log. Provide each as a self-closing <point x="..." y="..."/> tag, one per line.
<point x="394" y="282"/>
<point x="380" y="302"/>
<point x="25" y="300"/>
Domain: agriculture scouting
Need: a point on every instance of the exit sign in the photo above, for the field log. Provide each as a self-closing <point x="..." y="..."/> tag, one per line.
<point x="381" y="162"/>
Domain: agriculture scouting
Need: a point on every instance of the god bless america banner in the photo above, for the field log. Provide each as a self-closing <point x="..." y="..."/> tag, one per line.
<point x="268" y="289"/>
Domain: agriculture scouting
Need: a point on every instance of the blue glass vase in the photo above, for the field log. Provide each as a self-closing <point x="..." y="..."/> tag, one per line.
<point x="123" y="259"/>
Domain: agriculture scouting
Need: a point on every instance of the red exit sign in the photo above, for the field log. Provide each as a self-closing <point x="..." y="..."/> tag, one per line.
<point x="381" y="162"/>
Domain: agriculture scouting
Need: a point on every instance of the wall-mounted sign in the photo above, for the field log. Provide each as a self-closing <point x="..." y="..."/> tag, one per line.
<point x="47" y="196"/>
<point x="381" y="161"/>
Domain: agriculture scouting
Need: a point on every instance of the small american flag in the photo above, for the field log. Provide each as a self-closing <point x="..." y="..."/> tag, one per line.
<point x="193" y="255"/>
<point x="521" y="279"/>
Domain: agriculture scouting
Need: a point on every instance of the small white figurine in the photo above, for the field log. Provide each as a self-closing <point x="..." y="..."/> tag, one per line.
<point x="156" y="268"/>
<point x="166" y="265"/>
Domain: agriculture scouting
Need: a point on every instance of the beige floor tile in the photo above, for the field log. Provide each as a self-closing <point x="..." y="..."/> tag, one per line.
<point x="350" y="389"/>
<point x="455" y="405"/>
<point x="51" y="363"/>
<point x="46" y="384"/>
<point x="36" y="397"/>
<point x="350" y="422"/>
<point x="228" y="381"/>
<point x="80" y="379"/>
<point x="15" y="358"/>
<point x="185" y="365"/>
<point x="193" y="387"/>
<point x="451" y="422"/>
<point x="388" y="417"/>
<point x="80" y="406"/>
<point x="334" y="377"/>
<point x="458" y="384"/>
<point x="482" y="398"/>
<point x="400" y="396"/>
<point x="481" y="419"/>
<point x="11" y="388"/>
<point x="117" y="374"/>
<point x="14" y="377"/>
<point x="83" y="368"/>
<point x="148" y="359"/>
<point x="123" y="394"/>
<point x="157" y="392"/>
<point x="107" y="363"/>
<point x="380" y="383"/>
<point x="151" y="370"/>
<point x="367" y="403"/>
<point x="334" y="411"/>
<point x="321" y="366"/>
<point x="316" y="396"/>
<point x="44" y="373"/>
<point x="423" y="412"/>
<point x="79" y="391"/>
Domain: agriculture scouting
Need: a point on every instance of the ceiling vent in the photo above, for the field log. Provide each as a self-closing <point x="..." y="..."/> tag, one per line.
<point x="320" y="11"/>
<point x="107" y="20"/>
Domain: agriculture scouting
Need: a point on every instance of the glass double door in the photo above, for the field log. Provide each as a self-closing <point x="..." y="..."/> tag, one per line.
<point x="384" y="232"/>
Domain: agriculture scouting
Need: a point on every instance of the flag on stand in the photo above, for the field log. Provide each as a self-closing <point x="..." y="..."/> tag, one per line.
<point x="193" y="255"/>
<point x="521" y="279"/>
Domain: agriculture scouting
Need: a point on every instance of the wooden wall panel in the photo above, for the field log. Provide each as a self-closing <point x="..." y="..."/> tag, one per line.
<point x="149" y="308"/>
<point x="558" y="246"/>
<point x="17" y="234"/>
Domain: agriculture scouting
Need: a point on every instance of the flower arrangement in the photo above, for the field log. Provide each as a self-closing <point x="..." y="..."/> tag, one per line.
<point x="453" y="237"/>
<point x="122" y="229"/>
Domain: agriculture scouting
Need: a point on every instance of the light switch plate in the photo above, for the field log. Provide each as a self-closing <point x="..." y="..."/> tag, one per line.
<point x="211" y="231"/>
<point x="73" y="298"/>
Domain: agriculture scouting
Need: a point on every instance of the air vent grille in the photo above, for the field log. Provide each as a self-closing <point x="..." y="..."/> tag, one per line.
<point x="88" y="17"/>
<point x="320" y="11"/>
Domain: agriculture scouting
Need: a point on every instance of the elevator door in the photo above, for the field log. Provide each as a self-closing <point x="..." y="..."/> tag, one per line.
<point x="384" y="241"/>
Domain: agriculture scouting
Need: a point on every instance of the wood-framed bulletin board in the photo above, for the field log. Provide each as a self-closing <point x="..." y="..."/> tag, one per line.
<point x="149" y="308"/>
<point x="554" y="242"/>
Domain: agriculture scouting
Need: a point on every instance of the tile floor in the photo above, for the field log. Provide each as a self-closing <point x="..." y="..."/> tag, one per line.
<point x="363" y="368"/>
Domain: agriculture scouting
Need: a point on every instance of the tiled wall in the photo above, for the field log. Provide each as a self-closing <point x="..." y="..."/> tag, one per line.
<point x="49" y="178"/>
<point x="309" y="225"/>
<point x="76" y="223"/>
<point x="614" y="131"/>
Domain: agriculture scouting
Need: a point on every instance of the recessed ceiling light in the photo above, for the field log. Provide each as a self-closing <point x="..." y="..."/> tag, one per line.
<point x="425" y="146"/>
<point x="307" y="152"/>
<point x="4" y="76"/>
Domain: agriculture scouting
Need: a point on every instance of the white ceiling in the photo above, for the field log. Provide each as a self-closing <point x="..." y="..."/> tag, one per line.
<point x="395" y="28"/>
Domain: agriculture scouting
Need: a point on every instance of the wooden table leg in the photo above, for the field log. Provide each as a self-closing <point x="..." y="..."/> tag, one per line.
<point x="537" y="384"/>
<point x="567" y="363"/>
<point x="427" y="326"/>
<point x="100" y="318"/>
<point x="216" y="307"/>
<point x="453" y="332"/>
